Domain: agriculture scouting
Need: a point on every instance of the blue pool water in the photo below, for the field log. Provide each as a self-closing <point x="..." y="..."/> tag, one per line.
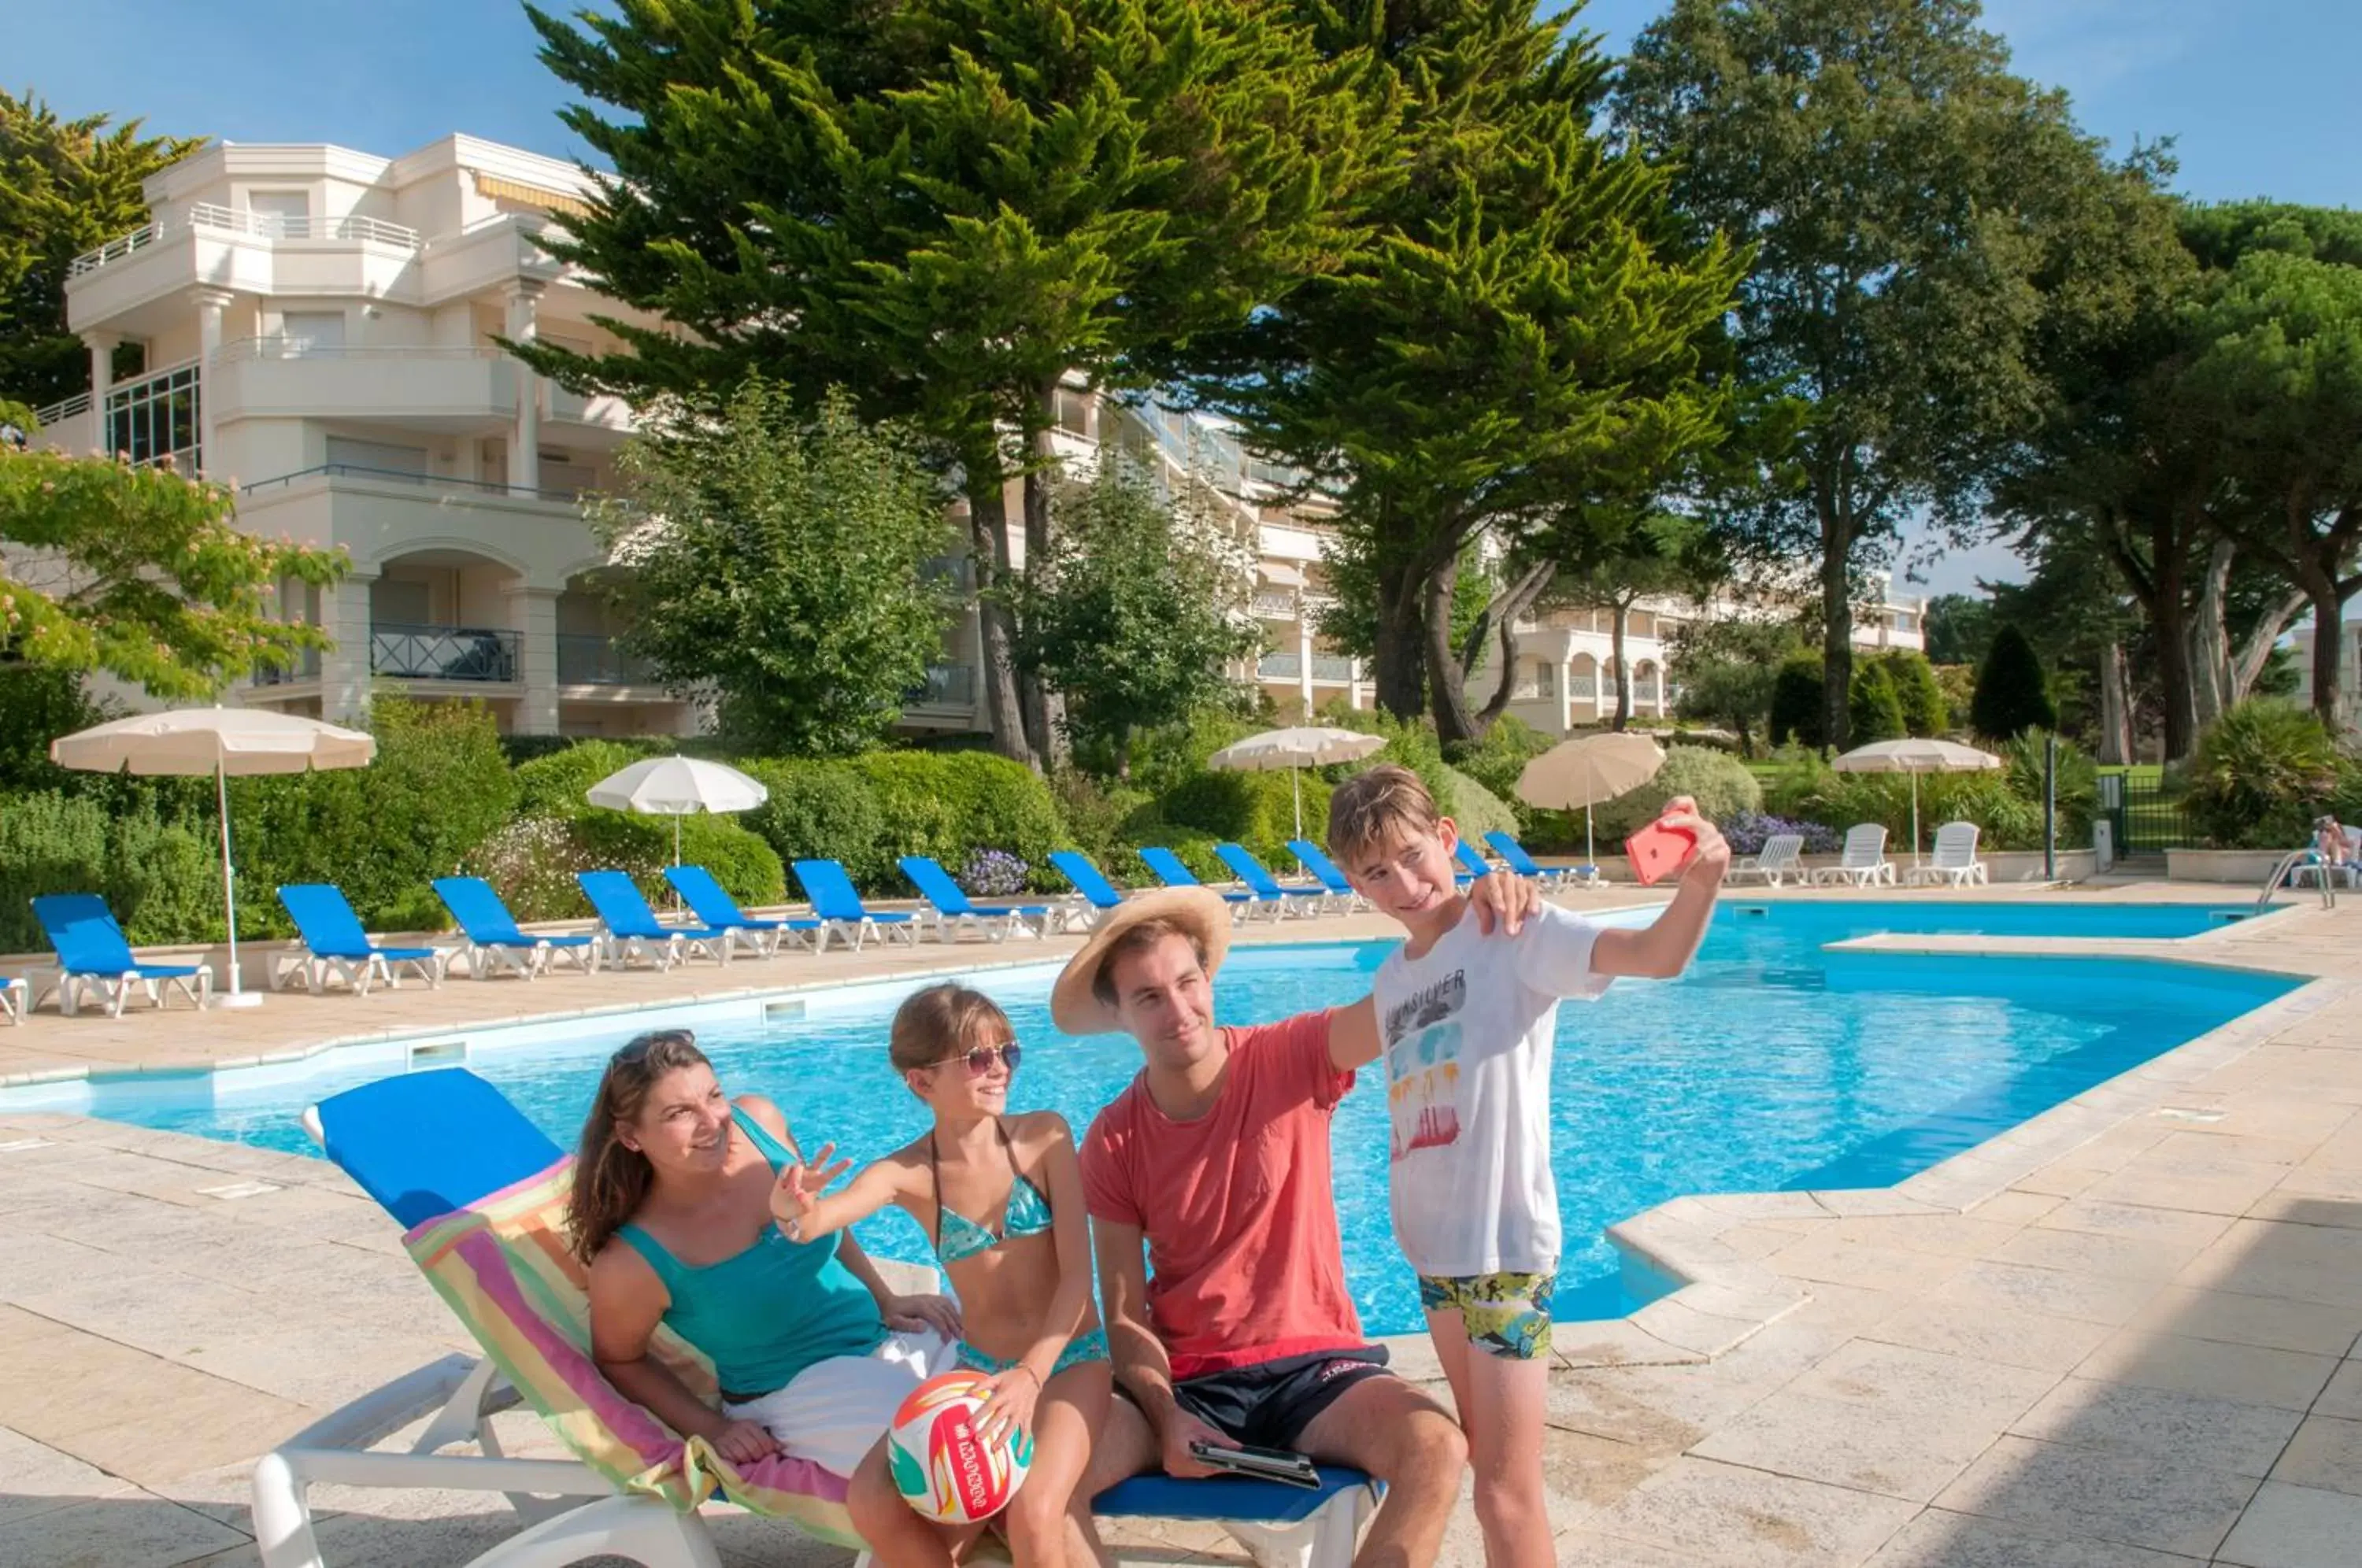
<point x="1772" y="1064"/>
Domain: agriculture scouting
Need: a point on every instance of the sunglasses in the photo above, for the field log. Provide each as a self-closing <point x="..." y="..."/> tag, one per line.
<point x="980" y="1061"/>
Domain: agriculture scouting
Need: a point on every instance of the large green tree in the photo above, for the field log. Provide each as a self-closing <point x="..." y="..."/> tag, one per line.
<point x="66" y="186"/>
<point x="944" y="206"/>
<point x="1517" y="315"/>
<point x="144" y="574"/>
<point x="1908" y="201"/>
<point x="1141" y="606"/>
<point x="775" y="557"/>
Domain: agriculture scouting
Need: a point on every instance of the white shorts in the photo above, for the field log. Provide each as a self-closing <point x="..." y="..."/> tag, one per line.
<point x="836" y="1410"/>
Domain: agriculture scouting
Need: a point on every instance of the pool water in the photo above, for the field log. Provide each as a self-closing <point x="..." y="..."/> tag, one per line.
<point x="1772" y="1065"/>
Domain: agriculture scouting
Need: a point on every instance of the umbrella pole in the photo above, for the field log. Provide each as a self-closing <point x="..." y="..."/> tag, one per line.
<point x="676" y="839"/>
<point x="1295" y="784"/>
<point x="230" y="886"/>
<point x="1590" y="853"/>
<point x="1915" y="819"/>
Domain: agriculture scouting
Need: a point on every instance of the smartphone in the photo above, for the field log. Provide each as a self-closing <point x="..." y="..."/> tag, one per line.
<point x="1657" y="850"/>
<point x="1280" y="1465"/>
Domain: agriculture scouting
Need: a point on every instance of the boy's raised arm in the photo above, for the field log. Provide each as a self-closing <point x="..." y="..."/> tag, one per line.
<point x="1664" y="947"/>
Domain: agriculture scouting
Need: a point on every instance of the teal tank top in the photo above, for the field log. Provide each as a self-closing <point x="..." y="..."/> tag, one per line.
<point x="770" y="1311"/>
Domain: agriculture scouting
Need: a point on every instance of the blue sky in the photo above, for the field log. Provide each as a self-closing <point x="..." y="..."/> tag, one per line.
<point x="2257" y="94"/>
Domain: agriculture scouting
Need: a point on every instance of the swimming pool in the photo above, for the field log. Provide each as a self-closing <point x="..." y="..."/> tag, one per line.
<point x="1772" y="1064"/>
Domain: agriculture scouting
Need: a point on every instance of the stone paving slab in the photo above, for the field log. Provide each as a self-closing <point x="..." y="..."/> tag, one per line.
<point x="2122" y="1336"/>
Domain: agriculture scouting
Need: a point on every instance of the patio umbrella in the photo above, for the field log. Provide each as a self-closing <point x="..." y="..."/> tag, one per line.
<point x="1295" y="750"/>
<point x="226" y="743"/>
<point x="1915" y="756"/>
<point x="676" y="786"/>
<point x="1587" y="770"/>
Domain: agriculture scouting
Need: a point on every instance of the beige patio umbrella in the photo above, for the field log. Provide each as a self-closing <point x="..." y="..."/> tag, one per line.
<point x="676" y="786"/>
<point x="1587" y="770"/>
<point x="1296" y="750"/>
<point x="226" y="743"/>
<point x="1916" y="755"/>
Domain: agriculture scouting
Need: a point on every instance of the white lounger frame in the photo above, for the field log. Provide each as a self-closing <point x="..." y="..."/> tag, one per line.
<point x="486" y="959"/>
<point x="300" y="964"/>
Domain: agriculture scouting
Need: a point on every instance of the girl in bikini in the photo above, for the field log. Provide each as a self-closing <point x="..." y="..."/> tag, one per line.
<point x="1002" y="1197"/>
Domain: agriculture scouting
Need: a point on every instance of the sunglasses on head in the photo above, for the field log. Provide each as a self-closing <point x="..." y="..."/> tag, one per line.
<point x="980" y="1061"/>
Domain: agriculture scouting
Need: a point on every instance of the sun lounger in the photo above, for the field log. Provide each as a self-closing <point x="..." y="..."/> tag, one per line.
<point x="16" y="995"/>
<point x="1268" y="891"/>
<point x="954" y="912"/>
<point x="1324" y="871"/>
<point x="1167" y="869"/>
<point x="630" y="929"/>
<point x="1954" y="860"/>
<point x="1097" y="893"/>
<point x="1513" y="855"/>
<point x="95" y="958"/>
<point x="494" y="942"/>
<point x="1864" y="862"/>
<point x="481" y="1195"/>
<point x="840" y="913"/>
<point x="330" y="940"/>
<point x="710" y="902"/>
<point x="1776" y="863"/>
<point x="1472" y="864"/>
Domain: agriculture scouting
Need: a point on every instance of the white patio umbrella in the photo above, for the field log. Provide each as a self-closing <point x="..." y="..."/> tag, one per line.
<point x="1296" y="750"/>
<point x="1915" y="756"/>
<point x="226" y="743"/>
<point x="676" y="786"/>
<point x="1587" y="770"/>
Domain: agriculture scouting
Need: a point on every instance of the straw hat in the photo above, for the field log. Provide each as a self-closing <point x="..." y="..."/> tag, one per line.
<point x="1200" y="911"/>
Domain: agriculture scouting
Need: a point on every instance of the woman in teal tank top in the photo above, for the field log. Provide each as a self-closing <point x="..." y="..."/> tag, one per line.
<point x="671" y="1212"/>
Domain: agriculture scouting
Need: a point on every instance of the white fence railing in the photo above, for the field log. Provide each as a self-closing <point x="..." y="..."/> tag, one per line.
<point x="65" y="408"/>
<point x="260" y="226"/>
<point x="282" y="346"/>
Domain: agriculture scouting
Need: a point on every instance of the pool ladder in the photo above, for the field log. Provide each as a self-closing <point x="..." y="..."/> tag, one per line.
<point x="2289" y="862"/>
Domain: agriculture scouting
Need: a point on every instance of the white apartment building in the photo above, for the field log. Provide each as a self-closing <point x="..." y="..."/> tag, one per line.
<point x="319" y="326"/>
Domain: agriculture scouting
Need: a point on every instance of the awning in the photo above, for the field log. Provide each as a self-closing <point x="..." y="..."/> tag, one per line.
<point x="531" y="195"/>
<point x="1284" y="576"/>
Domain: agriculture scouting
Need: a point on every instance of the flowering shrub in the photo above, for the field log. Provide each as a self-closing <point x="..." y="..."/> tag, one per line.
<point x="993" y="874"/>
<point x="1747" y="832"/>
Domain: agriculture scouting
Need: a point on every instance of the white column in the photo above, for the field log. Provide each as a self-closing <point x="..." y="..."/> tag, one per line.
<point x="533" y="612"/>
<point x="525" y="445"/>
<point x="1565" y="691"/>
<point x="1304" y="660"/>
<point x="345" y="668"/>
<point x="1353" y="689"/>
<point x="211" y="304"/>
<point x="102" y="346"/>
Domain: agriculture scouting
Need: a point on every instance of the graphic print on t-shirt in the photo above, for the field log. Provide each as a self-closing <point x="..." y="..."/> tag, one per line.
<point x="1423" y="1067"/>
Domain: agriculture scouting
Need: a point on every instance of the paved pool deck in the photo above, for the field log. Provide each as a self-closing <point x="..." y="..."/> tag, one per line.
<point x="2127" y="1334"/>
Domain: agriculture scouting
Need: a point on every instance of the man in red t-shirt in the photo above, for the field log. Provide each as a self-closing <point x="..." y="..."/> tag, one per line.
<point x="1215" y="1163"/>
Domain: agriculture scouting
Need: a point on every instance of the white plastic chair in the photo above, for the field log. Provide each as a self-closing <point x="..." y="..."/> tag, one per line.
<point x="1864" y="862"/>
<point x="1955" y="858"/>
<point x="1777" y="863"/>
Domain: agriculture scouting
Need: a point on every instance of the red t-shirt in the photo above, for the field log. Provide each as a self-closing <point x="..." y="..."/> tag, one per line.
<point x="1239" y="1215"/>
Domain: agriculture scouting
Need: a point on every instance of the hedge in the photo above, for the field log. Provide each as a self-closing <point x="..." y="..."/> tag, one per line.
<point x="162" y="879"/>
<point x="869" y="812"/>
<point x="1255" y="809"/>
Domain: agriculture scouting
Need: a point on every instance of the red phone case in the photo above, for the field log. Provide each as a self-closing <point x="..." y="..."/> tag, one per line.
<point x="1656" y="850"/>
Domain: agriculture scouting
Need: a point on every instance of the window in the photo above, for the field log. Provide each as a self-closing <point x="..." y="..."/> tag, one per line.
<point x="302" y="332"/>
<point x="401" y="602"/>
<point x="278" y="213"/>
<point x="157" y="417"/>
<point x="377" y="457"/>
<point x="1545" y="679"/>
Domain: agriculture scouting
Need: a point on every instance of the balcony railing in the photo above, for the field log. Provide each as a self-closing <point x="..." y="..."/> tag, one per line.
<point x="1280" y="667"/>
<point x="443" y="653"/>
<point x="285" y="345"/>
<point x="591" y="661"/>
<point x="1276" y="606"/>
<point x="306" y="667"/>
<point x="65" y="408"/>
<point x="946" y="685"/>
<point x="260" y="226"/>
<point x="404" y="476"/>
<point x="1332" y="666"/>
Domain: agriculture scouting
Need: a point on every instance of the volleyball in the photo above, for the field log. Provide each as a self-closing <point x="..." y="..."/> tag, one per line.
<point x="942" y="1467"/>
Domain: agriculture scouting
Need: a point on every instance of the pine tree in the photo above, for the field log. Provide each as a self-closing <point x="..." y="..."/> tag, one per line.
<point x="2013" y="694"/>
<point x="1796" y="713"/>
<point x="1924" y="712"/>
<point x="944" y="207"/>
<point x="1873" y="713"/>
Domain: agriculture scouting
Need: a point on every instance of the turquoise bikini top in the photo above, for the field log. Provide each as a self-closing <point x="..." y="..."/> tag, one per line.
<point x="957" y="1237"/>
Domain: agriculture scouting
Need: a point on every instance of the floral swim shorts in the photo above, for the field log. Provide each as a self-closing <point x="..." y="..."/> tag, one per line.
<point x="1505" y="1315"/>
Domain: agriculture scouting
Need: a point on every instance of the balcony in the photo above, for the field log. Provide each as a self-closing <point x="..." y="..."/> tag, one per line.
<point x="1337" y="668"/>
<point x="1276" y="606"/>
<point x="945" y="686"/>
<point x="461" y="388"/>
<point x="592" y="660"/>
<point x="474" y="654"/>
<point x="133" y="284"/>
<point x="1280" y="667"/>
<point x="306" y="667"/>
<point x="207" y="216"/>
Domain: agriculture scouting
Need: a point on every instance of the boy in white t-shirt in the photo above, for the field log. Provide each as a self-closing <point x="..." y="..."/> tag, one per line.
<point x="1466" y="1024"/>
